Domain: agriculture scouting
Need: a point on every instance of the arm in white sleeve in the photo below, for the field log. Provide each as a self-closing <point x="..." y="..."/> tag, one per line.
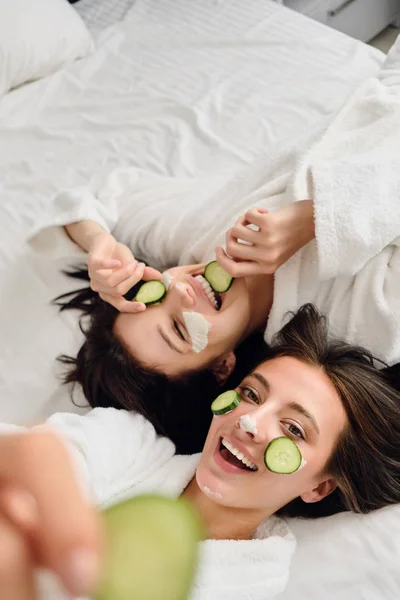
<point x="151" y="214"/>
<point x="113" y="450"/>
<point x="353" y="176"/>
<point x="374" y="315"/>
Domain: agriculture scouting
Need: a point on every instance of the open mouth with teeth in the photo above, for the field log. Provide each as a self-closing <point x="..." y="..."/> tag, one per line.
<point x="215" y="298"/>
<point x="234" y="457"/>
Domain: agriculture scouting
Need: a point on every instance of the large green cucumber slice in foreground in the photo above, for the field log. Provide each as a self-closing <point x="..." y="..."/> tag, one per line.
<point x="151" y="292"/>
<point x="217" y="277"/>
<point x="282" y="456"/>
<point x="150" y="549"/>
<point x="225" y="402"/>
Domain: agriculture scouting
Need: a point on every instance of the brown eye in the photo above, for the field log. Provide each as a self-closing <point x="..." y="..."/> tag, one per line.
<point x="294" y="430"/>
<point x="249" y="394"/>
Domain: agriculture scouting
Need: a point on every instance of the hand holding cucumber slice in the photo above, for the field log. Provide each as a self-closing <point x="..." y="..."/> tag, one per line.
<point x="217" y="277"/>
<point x="151" y="549"/>
<point x="225" y="402"/>
<point x="282" y="456"/>
<point x="151" y="292"/>
<point x="154" y="291"/>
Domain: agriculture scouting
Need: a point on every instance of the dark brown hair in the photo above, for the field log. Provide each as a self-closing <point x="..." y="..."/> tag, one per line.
<point x="111" y="377"/>
<point x="366" y="460"/>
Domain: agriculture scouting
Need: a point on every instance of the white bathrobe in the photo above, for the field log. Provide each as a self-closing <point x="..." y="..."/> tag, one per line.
<point x="118" y="455"/>
<point x="351" y="170"/>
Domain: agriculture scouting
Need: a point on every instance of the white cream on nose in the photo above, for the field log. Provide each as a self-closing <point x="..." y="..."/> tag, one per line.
<point x="248" y="424"/>
<point x="198" y="328"/>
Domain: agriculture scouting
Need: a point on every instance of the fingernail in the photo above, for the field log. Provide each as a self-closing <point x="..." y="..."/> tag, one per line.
<point x="142" y="264"/>
<point x="81" y="571"/>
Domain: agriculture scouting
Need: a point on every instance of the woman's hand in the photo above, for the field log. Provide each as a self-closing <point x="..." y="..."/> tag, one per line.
<point x="279" y="236"/>
<point x="113" y="271"/>
<point x="44" y="520"/>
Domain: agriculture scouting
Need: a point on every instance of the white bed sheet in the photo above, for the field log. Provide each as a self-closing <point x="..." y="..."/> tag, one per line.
<point x="99" y="14"/>
<point x="178" y="88"/>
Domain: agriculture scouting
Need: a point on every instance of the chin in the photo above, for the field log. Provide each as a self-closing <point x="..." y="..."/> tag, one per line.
<point x="210" y="484"/>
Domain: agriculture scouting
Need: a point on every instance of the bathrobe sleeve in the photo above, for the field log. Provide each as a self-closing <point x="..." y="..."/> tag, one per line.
<point x="112" y="450"/>
<point x="353" y="175"/>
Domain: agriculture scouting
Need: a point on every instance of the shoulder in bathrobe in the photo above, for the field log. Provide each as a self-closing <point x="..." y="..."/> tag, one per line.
<point x="118" y="455"/>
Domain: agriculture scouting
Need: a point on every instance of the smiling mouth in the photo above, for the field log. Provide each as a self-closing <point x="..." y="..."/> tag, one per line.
<point x="214" y="298"/>
<point x="234" y="457"/>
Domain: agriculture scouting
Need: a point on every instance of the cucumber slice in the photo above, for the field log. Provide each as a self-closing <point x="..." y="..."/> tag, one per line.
<point x="151" y="292"/>
<point x="225" y="402"/>
<point x="217" y="277"/>
<point x="282" y="456"/>
<point x="150" y="549"/>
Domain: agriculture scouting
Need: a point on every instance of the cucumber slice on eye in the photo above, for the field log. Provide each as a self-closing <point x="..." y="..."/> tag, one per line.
<point x="151" y="292"/>
<point x="282" y="456"/>
<point x="150" y="549"/>
<point x="217" y="277"/>
<point x="225" y="402"/>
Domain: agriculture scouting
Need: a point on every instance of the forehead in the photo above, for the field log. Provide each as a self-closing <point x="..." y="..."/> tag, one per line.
<point x="292" y="380"/>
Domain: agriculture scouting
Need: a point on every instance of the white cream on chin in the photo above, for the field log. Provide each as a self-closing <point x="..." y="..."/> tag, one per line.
<point x="209" y="492"/>
<point x="248" y="424"/>
<point x="198" y="328"/>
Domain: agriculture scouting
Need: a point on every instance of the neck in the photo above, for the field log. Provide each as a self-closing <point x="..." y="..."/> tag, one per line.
<point x="223" y="522"/>
<point x="261" y="294"/>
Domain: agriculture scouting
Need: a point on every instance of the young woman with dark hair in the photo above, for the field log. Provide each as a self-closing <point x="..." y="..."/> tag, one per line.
<point x="113" y="374"/>
<point x="326" y="396"/>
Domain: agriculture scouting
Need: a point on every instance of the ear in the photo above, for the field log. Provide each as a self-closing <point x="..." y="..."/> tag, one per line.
<point x="223" y="366"/>
<point x="321" y="491"/>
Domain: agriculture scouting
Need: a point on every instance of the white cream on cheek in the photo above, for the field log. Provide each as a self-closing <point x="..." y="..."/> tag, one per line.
<point x="302" y="464"/>
<point x="198" y="328"/>
<point x="167" y="279"/>
<point x="196" y="325"/>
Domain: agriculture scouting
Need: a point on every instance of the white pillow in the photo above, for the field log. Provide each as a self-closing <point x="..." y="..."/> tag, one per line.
<point x="37" y="37"/>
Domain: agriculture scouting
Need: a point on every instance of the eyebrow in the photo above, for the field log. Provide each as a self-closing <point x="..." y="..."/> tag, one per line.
<point x="261" y="379"/>
<point x="293" y="405"/>
<point x="303" y="411"/>
<point x="168" y="340"/>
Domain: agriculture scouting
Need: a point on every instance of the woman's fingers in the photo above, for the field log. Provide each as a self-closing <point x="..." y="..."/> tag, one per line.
<point x="123" y="305"/>
<point x="150" y="273"/>
<point x="240" y="251"/>
<point x="236" y="269"/>
<point x="16" y="567"/>
<point x="100" y="263"/>
<point x="256" y="216"/>
<point x="121" y="282"/>
<point x="239" y="232"/>
<point x="67" y="537"/>
<point x="121" y="274"/>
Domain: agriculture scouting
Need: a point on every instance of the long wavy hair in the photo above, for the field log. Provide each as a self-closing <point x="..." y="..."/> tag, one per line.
<point x="111" y="376"/>
<point x="366" y="460"/>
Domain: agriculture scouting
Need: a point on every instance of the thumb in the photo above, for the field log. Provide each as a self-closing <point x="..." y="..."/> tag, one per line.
<point x="150" y="273"/>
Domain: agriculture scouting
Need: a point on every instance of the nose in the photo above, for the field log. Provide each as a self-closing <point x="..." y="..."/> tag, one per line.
<point x="183" y="294"/>
<point x="256" y="425"/>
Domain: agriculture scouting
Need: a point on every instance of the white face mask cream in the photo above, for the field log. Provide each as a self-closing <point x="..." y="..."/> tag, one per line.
<point x="167" y="279"/>
<point x="198" y="328"/>
<point x="248" y="424"/>
<point x="207" y="490"/>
